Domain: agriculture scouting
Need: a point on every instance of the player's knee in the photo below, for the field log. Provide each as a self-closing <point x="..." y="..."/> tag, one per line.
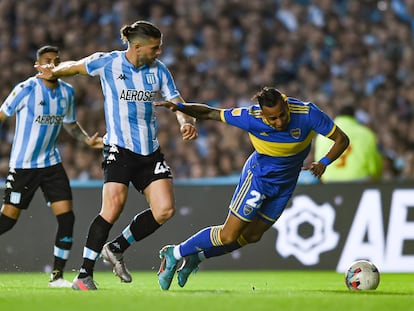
<point x="228" y="237"/>
<point x="249" y="237"/>
<point x="253" y="238"/>
<point x="161" y="215"/>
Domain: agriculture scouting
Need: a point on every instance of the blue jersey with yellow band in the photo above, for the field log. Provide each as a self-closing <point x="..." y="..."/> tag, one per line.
<point x="281" y="152"/>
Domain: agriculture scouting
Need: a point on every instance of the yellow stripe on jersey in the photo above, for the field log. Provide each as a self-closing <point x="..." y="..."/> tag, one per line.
<point x="236" y="204"/>
<point x="280" y="149"/>
<point x="256" y="113"/>
<point x="298" y="109"/>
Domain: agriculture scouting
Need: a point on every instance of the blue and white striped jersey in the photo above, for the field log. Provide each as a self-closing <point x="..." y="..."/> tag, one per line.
<point x="40" y="113"/>
<point x="129" y="93"/>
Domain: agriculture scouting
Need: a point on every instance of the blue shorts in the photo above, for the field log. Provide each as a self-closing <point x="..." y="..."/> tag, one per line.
<point x="261" y="196"/>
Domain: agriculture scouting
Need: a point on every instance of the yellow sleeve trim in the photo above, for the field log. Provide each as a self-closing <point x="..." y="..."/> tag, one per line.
<point x="331" y="132"/>
<point x="222" y="116"/>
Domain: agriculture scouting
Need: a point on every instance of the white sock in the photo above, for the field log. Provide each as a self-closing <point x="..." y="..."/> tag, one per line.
<point x="176" y="252"/>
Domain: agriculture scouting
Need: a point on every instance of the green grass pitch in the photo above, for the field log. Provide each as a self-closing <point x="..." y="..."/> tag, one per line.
<point x="209" y="290"/>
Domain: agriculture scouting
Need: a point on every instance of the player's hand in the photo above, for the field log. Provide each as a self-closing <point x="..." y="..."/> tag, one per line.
<point x="188" y="131"/>
<point x="167" y="104"/>
<point x="317" y="169"/>
<point x="94" y="141"/>
<point x="45" y="71"/>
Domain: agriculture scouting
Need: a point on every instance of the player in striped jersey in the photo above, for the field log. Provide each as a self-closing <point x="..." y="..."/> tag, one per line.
<point x="281" y="130"/>
<point x="41" y="108"/>
<point x="131" y="81"/>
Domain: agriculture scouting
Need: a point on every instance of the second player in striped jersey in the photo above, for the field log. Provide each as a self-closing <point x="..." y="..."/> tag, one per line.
<point x="41" y="108"/>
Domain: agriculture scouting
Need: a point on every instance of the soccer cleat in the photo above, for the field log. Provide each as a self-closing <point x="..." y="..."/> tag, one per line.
<point x="86" y="283"/>
<point x="118" y="264"/>
<point x="190" y="265"/>
<point x="56" y="274"/>
<point x="60" y="283"/>
<point x="167" y="267"/>
<point x="57" y="280"/>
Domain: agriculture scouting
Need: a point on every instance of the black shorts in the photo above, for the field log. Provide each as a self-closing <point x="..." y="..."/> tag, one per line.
<point x="124" y="166"/>
<point x="22" y="184"/>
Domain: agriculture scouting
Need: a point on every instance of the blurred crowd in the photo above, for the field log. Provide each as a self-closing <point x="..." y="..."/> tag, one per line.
<point x="330" y="52"/>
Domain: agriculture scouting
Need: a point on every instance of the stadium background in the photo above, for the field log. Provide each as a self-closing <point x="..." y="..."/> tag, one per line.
<point x="332" y="52"/>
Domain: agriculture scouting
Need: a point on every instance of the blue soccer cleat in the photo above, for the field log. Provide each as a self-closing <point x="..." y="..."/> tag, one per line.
<point x="167" y="267"/>
<point x="190" y="265"/>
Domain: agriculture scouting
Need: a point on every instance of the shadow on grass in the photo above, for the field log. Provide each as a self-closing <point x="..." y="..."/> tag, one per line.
<point x="202" y="292"/>
<point x="362" y="292"/>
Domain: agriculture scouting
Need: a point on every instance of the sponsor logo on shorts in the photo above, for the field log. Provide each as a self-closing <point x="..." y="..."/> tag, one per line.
<point x="15" y="197"/>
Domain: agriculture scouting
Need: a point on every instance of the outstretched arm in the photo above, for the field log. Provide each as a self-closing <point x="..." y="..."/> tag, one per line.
<point x="68" y="68"/>
<point x="196" y="110"/>
<point x="187" y="123"/>
<point x="341" y="142"/>
<point x="77" y="131"/>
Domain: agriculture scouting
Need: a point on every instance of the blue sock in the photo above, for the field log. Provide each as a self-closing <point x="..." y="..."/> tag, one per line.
<point x="204" y="239"/>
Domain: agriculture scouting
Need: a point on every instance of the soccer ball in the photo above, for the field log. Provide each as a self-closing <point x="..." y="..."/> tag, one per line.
<point x="362" y="275"/>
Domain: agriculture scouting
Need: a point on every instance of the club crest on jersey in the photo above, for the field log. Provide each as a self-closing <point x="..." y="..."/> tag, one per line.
<point x="150" y="77"/>
<point x="63" y="103"/>
<point x="295" y="133"/>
